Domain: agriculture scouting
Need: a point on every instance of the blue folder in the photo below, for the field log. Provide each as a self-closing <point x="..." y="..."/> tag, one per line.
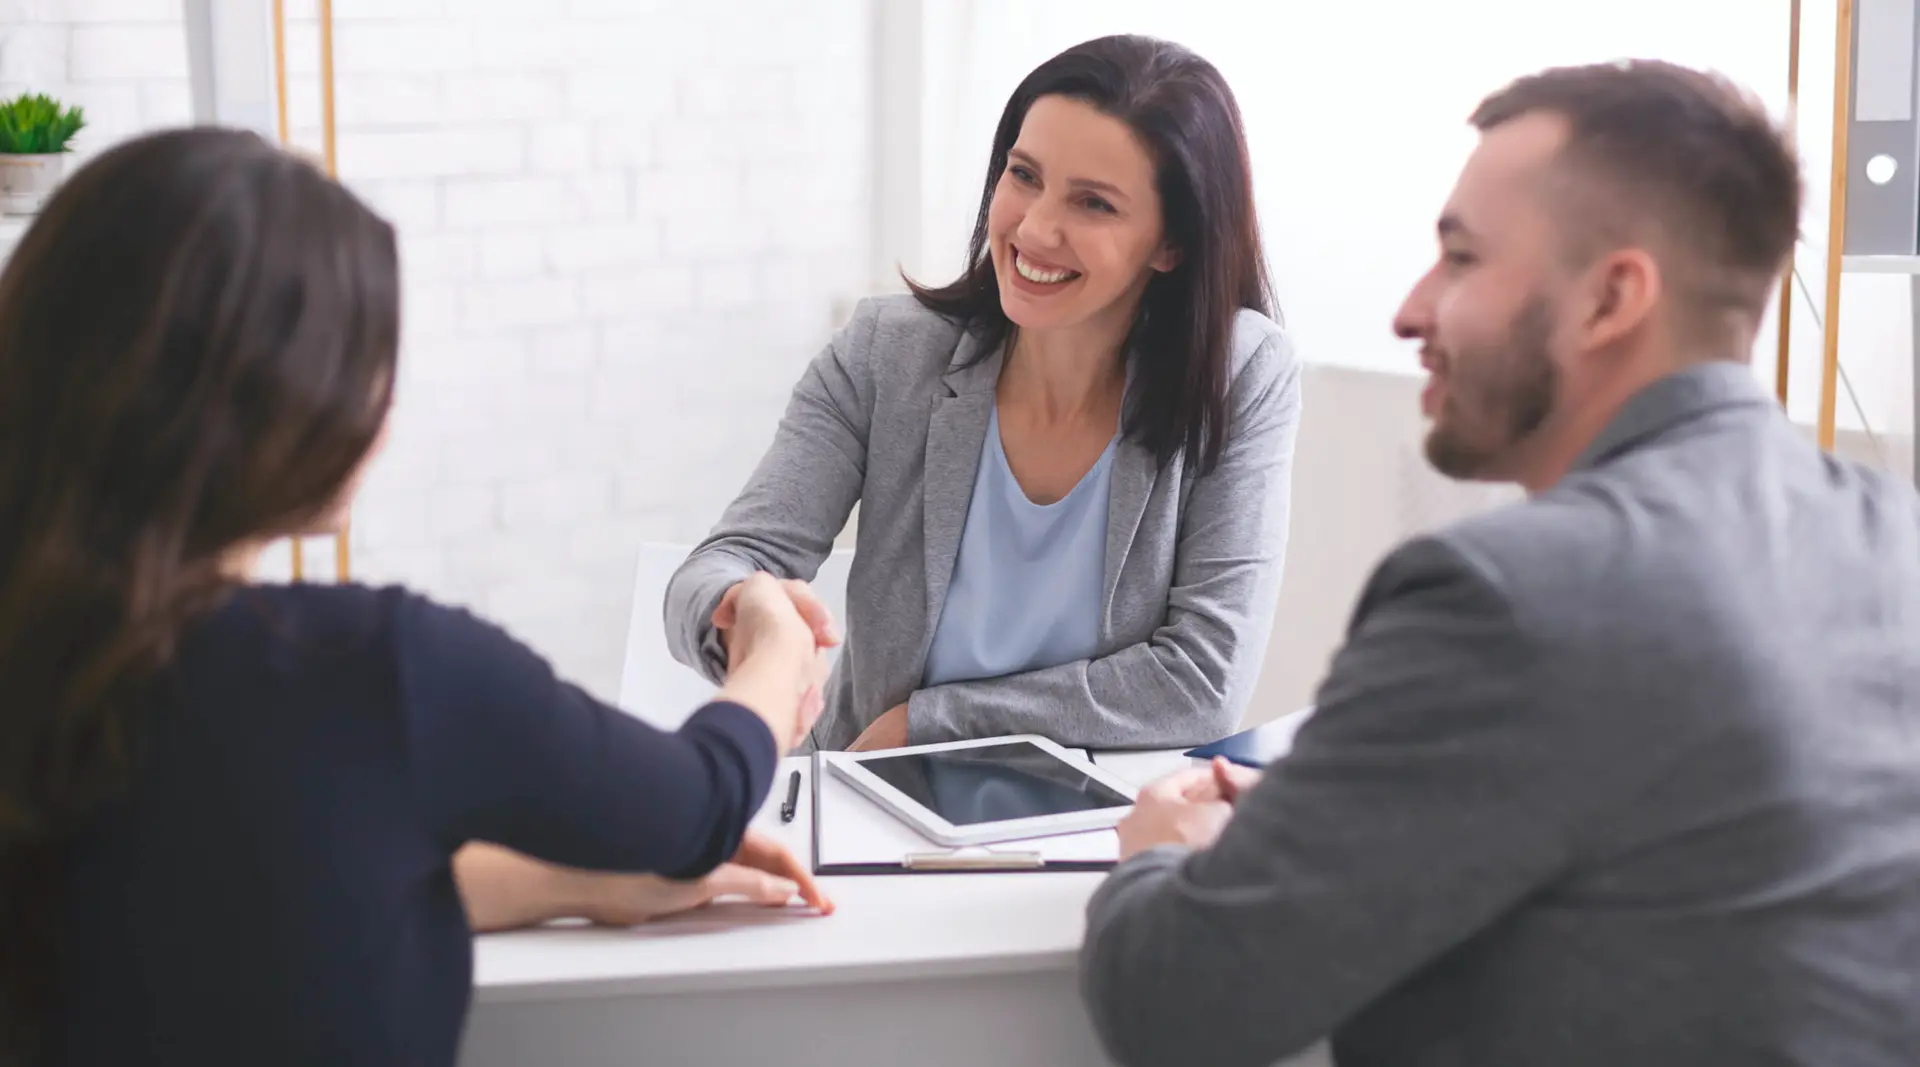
<point x="1259" y="746"/>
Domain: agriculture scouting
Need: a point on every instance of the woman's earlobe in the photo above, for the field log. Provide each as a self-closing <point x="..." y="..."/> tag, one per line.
<point x="1166" y="259"/>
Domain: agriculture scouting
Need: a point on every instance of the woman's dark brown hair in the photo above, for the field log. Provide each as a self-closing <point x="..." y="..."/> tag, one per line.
<point x="1180" y="108"/>
<point x="197" y="351"/>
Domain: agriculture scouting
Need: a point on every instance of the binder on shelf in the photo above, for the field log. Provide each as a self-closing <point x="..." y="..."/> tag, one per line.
<point x="1883" y="131"/>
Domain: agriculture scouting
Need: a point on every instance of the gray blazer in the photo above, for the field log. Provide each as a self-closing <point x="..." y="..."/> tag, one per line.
<point x="1628" y="773"/>
<point x="891" y="416"/>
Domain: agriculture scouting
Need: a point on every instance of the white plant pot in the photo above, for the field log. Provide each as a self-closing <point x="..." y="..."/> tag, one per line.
<point x="27" y="181"/>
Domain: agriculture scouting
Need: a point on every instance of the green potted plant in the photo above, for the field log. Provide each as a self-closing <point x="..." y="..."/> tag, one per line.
<point x="35" y="132"/>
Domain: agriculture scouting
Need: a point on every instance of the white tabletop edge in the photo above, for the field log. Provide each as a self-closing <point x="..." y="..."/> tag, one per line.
<point x="616" y="985"/>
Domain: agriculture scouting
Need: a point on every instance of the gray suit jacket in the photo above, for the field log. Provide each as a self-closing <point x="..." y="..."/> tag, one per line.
<point x="1628" y="773"/>
<point x="891" y="416"/>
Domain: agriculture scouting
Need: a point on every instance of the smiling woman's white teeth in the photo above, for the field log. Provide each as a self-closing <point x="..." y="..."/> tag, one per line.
<point x="1035" y="274"/>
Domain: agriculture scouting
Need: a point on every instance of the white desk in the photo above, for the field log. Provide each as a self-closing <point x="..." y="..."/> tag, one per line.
<point x="926" y="969"/>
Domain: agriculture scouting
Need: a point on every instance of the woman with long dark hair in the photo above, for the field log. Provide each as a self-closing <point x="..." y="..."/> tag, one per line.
<point x="255" y="824"/>
<point x="1072" y="463"/>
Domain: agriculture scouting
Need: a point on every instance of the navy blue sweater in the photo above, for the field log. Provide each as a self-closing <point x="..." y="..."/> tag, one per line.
<point x="276" y="886"/>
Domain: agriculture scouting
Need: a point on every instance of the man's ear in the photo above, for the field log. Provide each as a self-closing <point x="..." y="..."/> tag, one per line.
<point x="1623" y="289"/>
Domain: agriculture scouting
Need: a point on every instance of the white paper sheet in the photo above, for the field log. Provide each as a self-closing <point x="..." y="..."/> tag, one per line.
<point x="853" y="829"/>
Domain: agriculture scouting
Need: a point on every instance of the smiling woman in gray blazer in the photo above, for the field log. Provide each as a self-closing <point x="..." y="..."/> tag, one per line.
<point x="1073" y="464"/>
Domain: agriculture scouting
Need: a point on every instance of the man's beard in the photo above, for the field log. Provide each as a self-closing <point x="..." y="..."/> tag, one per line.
<point x="1495" y="397"/>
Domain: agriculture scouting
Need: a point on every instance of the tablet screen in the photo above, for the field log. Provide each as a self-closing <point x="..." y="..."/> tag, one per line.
<point x="993" y="783"/>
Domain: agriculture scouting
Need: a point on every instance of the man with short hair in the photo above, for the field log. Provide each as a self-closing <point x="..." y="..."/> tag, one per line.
<point x="1627" y="773"/>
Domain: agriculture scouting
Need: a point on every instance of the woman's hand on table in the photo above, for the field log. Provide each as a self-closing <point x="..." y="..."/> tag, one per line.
<point x="504" y="890"/>
<point x="763" y="872"/>
<point x="887" y="731"/>
<point x="762" y="852"/>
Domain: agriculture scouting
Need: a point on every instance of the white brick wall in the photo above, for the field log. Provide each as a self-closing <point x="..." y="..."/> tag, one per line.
<point x="124" y="61"/>
<point x="625" y="227"/>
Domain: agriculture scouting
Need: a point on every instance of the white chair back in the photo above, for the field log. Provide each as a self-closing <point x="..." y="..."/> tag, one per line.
<point x="653" y="685"/>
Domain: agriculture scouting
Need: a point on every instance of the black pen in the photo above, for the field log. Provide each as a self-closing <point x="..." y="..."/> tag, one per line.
<point x="792" y="805"/>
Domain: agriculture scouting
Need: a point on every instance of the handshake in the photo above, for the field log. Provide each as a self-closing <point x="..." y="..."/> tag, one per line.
<point x="775" y="632"/>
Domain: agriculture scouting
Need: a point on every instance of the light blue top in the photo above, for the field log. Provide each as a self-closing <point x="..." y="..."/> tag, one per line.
<point x="1029" y="578"/>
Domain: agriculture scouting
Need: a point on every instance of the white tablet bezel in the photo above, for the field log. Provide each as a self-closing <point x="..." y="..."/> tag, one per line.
<point x="931" y="826"/>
